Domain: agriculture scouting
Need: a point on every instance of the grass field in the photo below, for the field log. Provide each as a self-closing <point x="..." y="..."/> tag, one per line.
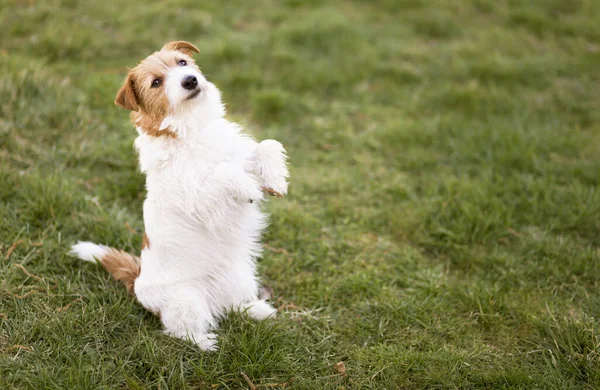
<point x="442" y="229"/>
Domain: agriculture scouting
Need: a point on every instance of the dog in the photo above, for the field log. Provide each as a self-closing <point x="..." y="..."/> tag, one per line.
<point x="205" y="182"/>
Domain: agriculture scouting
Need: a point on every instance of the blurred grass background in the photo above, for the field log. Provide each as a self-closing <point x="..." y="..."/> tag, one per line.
<point x="442" y="226"/>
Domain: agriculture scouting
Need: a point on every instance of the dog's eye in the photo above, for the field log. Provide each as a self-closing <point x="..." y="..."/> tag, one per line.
<point x="156" y="83"/>
<point x="182" y="62"/>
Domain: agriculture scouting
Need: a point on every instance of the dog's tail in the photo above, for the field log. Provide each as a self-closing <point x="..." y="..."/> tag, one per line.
<point x="122" y="266"/>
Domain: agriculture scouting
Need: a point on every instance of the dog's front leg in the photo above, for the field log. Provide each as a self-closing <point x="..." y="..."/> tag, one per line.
<point x="271" y="167"/>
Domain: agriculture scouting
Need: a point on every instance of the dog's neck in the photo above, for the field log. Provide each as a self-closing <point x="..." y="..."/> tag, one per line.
<point x="193" y="115"/>
<point x="178" y="128"/>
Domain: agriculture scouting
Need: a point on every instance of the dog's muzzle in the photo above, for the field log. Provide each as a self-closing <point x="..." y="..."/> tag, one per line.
<point x="189" y="82"/>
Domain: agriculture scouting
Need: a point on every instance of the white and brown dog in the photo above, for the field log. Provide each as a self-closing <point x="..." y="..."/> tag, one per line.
<point x="205" y="181"/>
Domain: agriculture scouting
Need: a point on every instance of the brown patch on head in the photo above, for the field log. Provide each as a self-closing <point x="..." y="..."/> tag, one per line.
<point x="143" y="91"/>
<point x="145" y="242"/>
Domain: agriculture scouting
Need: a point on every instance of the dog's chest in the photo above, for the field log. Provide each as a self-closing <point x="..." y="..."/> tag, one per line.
<point x="205" y="167"/>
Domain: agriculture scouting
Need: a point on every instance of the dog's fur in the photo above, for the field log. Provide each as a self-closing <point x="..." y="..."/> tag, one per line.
<point x="205" y="182"/>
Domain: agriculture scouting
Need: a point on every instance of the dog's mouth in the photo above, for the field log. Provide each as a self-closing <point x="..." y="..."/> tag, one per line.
<point x="193" y="94"/>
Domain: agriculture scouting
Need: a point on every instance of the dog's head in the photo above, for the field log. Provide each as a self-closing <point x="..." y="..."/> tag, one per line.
<point x="166" y="82"/>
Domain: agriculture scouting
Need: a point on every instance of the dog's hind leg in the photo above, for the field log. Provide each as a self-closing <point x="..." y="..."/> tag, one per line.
<point x="258" y="310"/>
<point x="190" y="320"/>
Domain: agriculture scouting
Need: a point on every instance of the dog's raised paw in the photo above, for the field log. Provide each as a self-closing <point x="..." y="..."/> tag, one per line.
<point x="272" y="192"/>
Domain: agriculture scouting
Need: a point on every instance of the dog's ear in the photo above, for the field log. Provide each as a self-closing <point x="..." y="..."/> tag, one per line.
<point x="182" y="46"/>
<point x="126" y="96"/>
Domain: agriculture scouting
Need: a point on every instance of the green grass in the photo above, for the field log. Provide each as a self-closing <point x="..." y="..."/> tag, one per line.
<point x="443" y="224"/>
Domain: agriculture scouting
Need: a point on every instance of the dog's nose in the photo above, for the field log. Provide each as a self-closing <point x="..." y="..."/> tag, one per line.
<point x="189" y="82"/>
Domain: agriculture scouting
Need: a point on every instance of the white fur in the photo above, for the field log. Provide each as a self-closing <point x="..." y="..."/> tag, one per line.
<point x="271" y="166"/>
<point x="259" y="309"/>
<point x="88" y="251"/>
<point x="202" y="215"/>
<point x="175" y="93"/>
